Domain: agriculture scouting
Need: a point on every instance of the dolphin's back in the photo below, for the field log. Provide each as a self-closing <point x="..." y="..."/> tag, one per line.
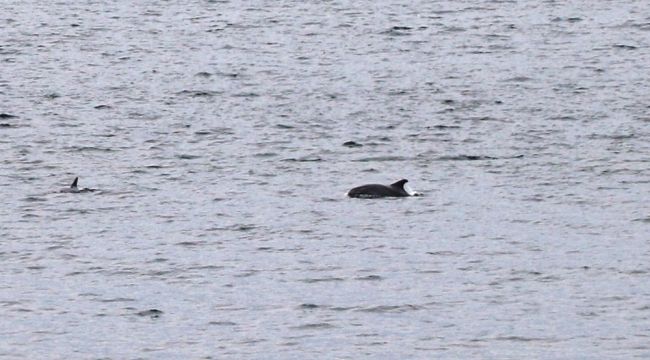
<point x="377" y="190"/>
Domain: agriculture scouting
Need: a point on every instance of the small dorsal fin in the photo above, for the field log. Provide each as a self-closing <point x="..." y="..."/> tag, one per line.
<point x="399" y="184"/>
<point x="74" y="183"/>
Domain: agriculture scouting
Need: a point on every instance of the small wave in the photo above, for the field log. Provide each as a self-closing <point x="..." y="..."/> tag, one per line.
<point x="398" y="92"/>
<point x="398" y="31"/>
<point x="317" y="280"/>
<point x="235" y="227"/>
<point x="625" y="47"/>
<point x="190" y="243"/>
<point x="304" y="159"/>
<point x="370" y="278"/>
<point x="390" y="308"/>
<point x="308" y="306"/>
<point x="444" y="253"/>
<point x="573" y="19"/>
<point x="199" y="93"/>
<point x="455" y="29"/>
<point x="52" y="96"/>
<point x="384" y="158"/>
<point x="443" y="127"/>
<point x="265" y="155"/>
<point x="228" y="75"/>
<point x="187" y="156"/>
<point x="525" y="339"/>
<point x="118" y="299"/>
<point x="475" y="157"/>
<point x="611" y="136"/>
<point x="90" y="148"/>
<point x="222" y="323"/>
<point x="246" y="95"/>
<point x="314" y="326"/>
<point x="519" y="79"/>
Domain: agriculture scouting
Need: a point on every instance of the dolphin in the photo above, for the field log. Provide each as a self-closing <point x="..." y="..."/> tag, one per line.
<point x="395" y="189"/>
<point x="75" y="189"/>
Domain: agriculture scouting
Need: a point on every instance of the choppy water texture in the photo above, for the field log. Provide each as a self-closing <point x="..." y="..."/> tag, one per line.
<point x="214" y="132"/>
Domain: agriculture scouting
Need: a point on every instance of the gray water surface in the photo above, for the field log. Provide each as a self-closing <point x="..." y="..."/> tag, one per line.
<point x="213" y="132"/>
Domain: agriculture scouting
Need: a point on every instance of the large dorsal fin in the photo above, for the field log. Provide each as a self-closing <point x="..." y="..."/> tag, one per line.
<point x="399" y="184"/>
<point x="74" y="183"/>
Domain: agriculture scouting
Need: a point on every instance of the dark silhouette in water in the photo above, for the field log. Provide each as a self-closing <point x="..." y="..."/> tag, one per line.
<point x="74" y="189"/>
<point x="376" y="190"/>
